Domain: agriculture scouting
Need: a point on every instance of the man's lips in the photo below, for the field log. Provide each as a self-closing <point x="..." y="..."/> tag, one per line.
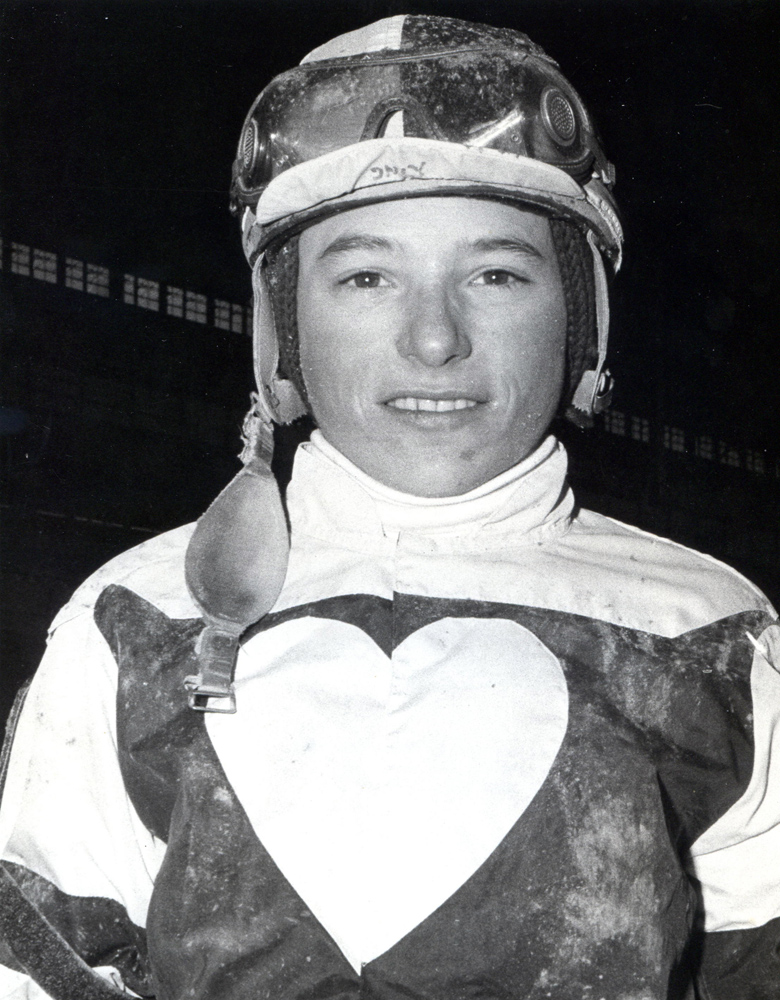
<point x="427" y="404"/>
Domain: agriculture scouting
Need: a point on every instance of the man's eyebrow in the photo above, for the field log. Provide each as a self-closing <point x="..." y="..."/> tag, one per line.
<point x="511" y="243"/>
<point x="365" y="241"/>
<point x="357" y="241"/>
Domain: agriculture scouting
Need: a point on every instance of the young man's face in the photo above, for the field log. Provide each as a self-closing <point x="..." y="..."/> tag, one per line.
<point x="432" y="338"/>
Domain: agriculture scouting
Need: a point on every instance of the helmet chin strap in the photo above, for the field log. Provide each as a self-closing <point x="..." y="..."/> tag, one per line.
<point x="594" y="392"/>
<point x="236" y="560"/>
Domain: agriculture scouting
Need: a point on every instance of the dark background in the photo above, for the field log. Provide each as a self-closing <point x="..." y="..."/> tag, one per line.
<point x="121" y="118"/>
<point x="118" y="130"/>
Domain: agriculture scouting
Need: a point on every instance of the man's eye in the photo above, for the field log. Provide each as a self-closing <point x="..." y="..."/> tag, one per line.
<point x="365" y="279"/>
<point x="496" y="277"/>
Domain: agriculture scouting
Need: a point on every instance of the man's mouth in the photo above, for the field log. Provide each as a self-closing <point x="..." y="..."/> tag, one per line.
<point x="422" y="405"/>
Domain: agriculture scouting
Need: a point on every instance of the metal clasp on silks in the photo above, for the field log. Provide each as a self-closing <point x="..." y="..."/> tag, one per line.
<point x="237" y="557"/>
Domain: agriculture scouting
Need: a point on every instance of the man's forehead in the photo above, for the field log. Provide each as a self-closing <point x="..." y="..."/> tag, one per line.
<point x="464" y="224"/>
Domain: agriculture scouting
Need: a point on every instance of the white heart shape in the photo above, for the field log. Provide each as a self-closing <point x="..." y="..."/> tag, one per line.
<point x="379" y="785"/>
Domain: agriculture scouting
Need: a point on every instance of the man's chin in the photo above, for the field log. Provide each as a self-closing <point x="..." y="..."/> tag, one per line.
<point x="430" y="454"/>
<point x="427" y="473"/>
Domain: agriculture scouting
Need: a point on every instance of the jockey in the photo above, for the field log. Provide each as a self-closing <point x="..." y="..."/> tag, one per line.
<point x="422" y="727"/>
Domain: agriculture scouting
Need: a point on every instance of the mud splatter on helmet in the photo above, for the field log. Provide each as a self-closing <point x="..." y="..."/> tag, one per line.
<point x="415" y="106"/>
<point x="410" y="106"/>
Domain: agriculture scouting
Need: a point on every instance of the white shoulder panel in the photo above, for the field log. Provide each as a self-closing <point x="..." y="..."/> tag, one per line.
<point x="154" y="570"/>
<point x="657" y="584"/>
<point x="598" y="568"/>
<point x="737" y="861"/>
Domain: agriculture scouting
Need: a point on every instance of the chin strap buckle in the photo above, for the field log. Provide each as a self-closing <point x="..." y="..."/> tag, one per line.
<point x="602" y="397"/>
<point x="212" y="689"/>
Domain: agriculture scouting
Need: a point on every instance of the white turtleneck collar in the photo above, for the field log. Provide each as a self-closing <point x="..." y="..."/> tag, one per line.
<point x="328" y="488"/>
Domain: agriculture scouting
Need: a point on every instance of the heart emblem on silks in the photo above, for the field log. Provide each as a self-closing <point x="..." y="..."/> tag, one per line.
<point x="380" y="784"/>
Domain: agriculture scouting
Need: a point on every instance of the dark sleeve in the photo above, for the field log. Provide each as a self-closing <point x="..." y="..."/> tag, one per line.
<point x="741" y="965"/>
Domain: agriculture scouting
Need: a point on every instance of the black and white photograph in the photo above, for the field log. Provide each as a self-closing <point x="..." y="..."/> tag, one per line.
<point x="390" y="511"/>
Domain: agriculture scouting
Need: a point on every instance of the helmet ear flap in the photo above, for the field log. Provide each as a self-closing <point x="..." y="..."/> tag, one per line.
<point x="594" y="392"/>
<point x="279" y="400"/>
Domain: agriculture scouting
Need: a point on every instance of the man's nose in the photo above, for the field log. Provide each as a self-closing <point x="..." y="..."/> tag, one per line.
<point x="434" y="332"/>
